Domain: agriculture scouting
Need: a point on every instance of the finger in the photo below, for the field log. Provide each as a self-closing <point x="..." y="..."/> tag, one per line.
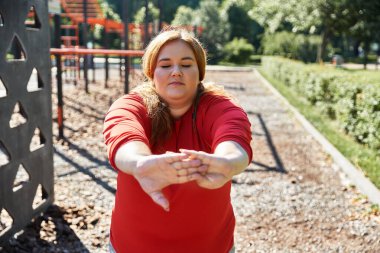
<point x="181" y="173"/>
<point x="201" y="169"/>
<point x="188" y="178"/>
<point x="186" y="164"/>
<point x="195" y="176"/>
<point x="203" y="156"/>
<point x="160" y="200"/>
<point x="175" y="157"/>
<point x="191" y="171"/>
<point x="184" y="175"/>
<point x="177" y="165"/>
<point x="193" y="152"/>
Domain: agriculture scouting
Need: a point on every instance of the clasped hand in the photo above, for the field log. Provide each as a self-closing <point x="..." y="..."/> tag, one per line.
<point x="155" y="172"/>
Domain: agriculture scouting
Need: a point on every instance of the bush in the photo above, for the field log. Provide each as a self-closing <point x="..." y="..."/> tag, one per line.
<point x="352" y="98"/>
<point x="238" y="51"/>
<point x="290" y="45"/>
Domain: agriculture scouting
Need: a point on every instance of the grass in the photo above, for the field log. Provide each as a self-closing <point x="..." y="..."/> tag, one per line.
<point x="362" y="157"/>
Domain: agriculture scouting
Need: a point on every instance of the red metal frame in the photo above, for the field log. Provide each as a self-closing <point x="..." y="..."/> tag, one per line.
<point x="83" y="51"/>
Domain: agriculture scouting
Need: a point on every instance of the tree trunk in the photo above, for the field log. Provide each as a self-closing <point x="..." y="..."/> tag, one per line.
<point x="322" y="47"/>
<point x="356" y="48"/>
<point x="366" y="50"/>
<point x="378" y="57"/>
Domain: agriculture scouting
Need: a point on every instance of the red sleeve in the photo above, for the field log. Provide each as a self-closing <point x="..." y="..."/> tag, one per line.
<point x="227" y="121"/>
<point x="126" y="120"/>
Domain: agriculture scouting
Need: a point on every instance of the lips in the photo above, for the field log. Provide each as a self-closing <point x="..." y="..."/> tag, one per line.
<point x="176" y="83"/>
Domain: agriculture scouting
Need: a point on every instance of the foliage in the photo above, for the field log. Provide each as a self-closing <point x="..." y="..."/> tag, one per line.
<point x="303" y="15"/>
<point x="184" y="16"/>
<point x="352" y="98"/>
<point x="242" y="25"/>
<point x="350" y="22"/>
<point x="109" y="12"/>
<point x="171" y="8"/>
<point x="366" y="28"/>
<point x="238" y="51"/>
<point x="153" y="14"/>
<point x="216" y="28"/>
<point x="364" y="158"/>
<point x="323" y="17"/>
<point x="291" y="45"/>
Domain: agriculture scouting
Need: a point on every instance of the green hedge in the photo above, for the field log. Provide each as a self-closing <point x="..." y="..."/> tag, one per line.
<point x="290" y="45"/>
<point x="238" y="51"/>
<point x="351" y="98"/>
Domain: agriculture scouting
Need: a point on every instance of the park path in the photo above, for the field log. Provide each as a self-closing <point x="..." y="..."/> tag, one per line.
<point x="290" y="199"/>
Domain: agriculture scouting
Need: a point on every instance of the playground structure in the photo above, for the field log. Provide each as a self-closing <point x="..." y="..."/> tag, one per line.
<point x="27" y="188"/>
<point x="26" y="148"/>
<point x="71" y="57"/>
<point x="89" y="13"/>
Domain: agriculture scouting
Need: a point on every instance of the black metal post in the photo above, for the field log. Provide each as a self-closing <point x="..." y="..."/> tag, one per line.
<point x="126" y="47"/>
<point x="85" y="57"/>
<point x="161" y="8"/>
<point x="92" y="57"/>
<point x="57" y="44"/>
<point x="146" y="26"/>
<point x="106" y="45"/>
<point x="121" y="60"/>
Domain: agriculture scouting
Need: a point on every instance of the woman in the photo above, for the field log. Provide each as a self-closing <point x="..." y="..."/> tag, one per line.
<point x="176" y="144"/>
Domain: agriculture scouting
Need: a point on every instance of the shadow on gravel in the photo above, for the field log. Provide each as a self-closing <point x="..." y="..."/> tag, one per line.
<point x="47" y="233"/>
<point x="235" y="87"/>
<point x="81" y="111"/>
<point x="83" y="105"/>
<point x="85" y="170"/>
<point x="279" y="165"/>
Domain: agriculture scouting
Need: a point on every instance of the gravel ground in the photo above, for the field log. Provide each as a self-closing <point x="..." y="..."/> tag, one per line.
<point x="292" y="198"/>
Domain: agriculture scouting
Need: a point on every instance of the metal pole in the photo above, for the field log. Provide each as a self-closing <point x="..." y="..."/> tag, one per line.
<point x="57" y="44"/>
<point x="146" y="31"/>
<point x="121" y="60"/>
<point x="106" y="45"/>
<point x="126" y="46"/>
<point x="85" y="58"/>
<point x="161" y="8"/>
<point x="93" y="56"/>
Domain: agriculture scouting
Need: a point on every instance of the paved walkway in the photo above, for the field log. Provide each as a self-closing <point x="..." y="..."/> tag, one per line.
<point x="293" y="197"/>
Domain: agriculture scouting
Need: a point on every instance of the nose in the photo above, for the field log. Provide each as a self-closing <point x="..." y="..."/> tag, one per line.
<point x="176" y="71"/>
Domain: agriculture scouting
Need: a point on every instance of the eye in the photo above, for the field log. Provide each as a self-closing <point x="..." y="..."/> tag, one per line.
<point x="165" y="66"/>
<point x="186" y="65"/>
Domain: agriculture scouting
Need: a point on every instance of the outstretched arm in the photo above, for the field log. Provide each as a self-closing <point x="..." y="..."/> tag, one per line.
<point x="228" y="159"/>
<point x="155" y="172"/>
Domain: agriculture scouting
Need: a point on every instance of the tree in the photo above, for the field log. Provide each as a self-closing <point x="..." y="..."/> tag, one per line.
<point x="238" y="51"/>
<point x="171" y="8"/>
<point x="366" y="27"/>
<point x="242" y="25"/>
<point x="325" y="17"/>
<point x="153" y="14"/>
<point x="216" y="29"/>
<point x="184" y="16"/>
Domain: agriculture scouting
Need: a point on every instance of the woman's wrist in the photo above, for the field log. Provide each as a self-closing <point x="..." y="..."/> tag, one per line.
<point x="129" y="154"/>
<point x="137" y="169"/>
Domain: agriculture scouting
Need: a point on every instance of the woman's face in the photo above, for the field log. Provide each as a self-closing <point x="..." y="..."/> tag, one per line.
<point x="176" y="75"/>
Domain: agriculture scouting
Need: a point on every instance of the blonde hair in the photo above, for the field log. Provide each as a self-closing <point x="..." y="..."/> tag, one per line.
<point x="158" y="111"/>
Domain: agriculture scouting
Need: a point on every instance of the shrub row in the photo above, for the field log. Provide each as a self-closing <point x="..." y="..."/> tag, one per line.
<point x="290" y="45"/>
<point x="351" y="98"/>
<point x="238" y="51"/>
